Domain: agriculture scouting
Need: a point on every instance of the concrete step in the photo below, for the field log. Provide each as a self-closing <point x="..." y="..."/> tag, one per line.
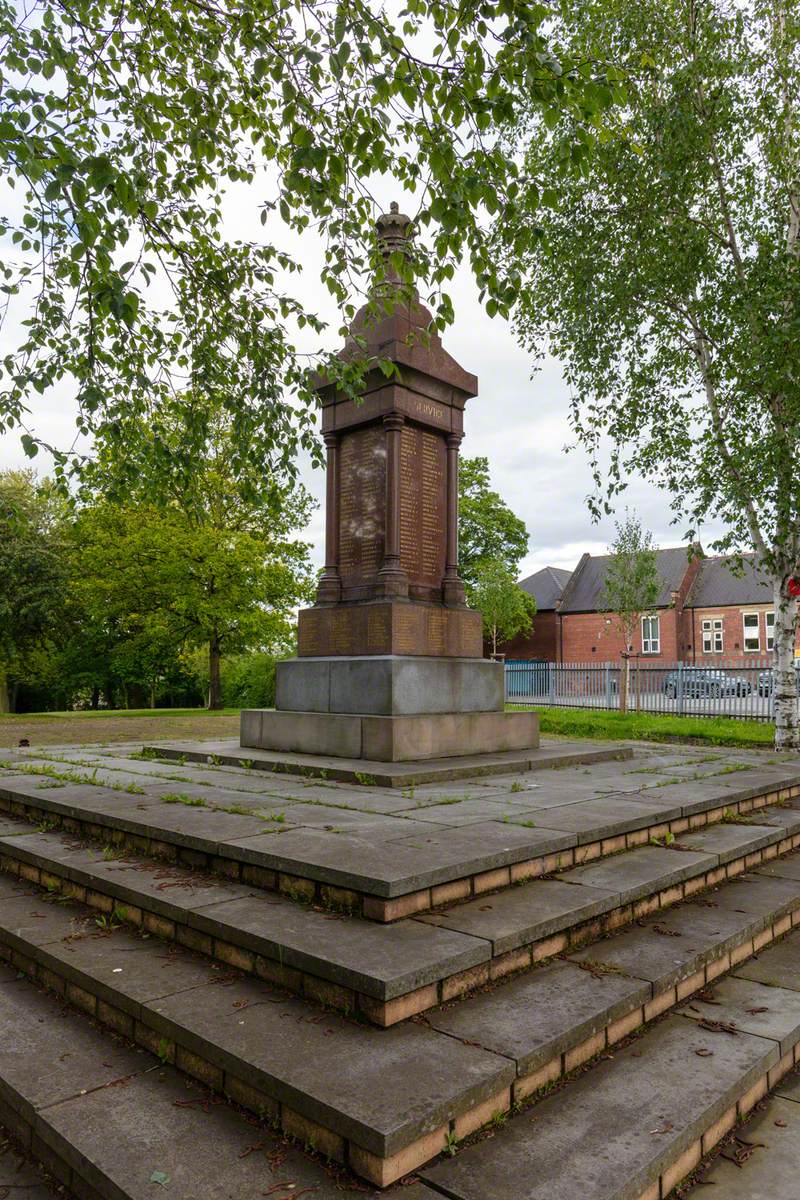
<point x="391" y="972"/>
<point x="642" y="1119"/>
<point x="20" y="1177"/>
<point x="113" y="1122"/>
<point x="759" y="1160"/>
<point x="385" y="854"/>
<point x="357" y="1092"/>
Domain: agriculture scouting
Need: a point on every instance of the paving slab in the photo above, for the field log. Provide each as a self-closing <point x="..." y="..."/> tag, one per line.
<point x="70" y="1059"/>
<point x="603" y="817"/>
<point x="469" y="811"/>
<point x="770" y="1172"/>
<point x="393" y="868"/>
<point x="674" y="945"/>
<point x="160" y="1123"/>
<point x="383" y="961"/>
<point x="637" y="873"/>
<point x="382" y="1089"/>
<point x="748" y="1007"/>
<point x="786" y="817"/>
<point x="524" y="914"/>
<point x="749" y="893"/>
<point x="535" y="1016"/>
<point x="777" y="966"/>
<point x="729" y="841"/>
<point x="20" y="1179"/>
<point x="784" y="868"/>
<point x="595" y="1139"/>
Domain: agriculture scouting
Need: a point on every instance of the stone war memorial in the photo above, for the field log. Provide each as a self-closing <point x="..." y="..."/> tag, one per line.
<point x="390" y="664"/>
<point x="380" y="947"/>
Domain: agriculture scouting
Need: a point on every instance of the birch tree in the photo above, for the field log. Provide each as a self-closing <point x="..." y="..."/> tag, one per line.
<point x="666" y="276"/>
<point x="631" y="587"/>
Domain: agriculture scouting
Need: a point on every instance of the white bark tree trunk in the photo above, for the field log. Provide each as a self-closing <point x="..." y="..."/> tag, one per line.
<point x="784" y="672"/>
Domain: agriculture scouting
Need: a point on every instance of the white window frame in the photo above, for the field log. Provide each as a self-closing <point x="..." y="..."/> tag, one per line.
<point x="769" y="629"/>
<point x="713" y="632"/>
<point x="650" y="644"/>
<point x="757" y="639"/>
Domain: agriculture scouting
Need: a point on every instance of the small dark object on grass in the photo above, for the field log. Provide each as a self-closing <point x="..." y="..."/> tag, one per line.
<point x="23" y="742"/>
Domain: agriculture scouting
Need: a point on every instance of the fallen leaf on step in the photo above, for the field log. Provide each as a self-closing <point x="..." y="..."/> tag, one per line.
<point x="781" y="1123"/>
<point x="753" y="1011"/>
<point x="718" y="1026"/>
<point x="703" y="1053"/>
<point x="160" y="1177"/>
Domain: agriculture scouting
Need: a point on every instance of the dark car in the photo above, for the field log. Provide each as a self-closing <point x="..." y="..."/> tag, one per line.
<point x="702" y="681"/>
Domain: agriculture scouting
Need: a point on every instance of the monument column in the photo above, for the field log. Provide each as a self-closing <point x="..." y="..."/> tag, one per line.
<point x="453" y="589"/>
<point x="329" y="590"/>
<point x="392" y="579"/>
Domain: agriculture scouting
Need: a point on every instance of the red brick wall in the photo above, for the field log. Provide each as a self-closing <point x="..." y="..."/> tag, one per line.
<point x="732" y="633"/>
<point x="541" y="642"/>
<point x="588" y="637"/>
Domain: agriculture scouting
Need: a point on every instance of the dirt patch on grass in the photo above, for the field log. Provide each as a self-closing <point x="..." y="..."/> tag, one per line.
<point x="80" y="728"/>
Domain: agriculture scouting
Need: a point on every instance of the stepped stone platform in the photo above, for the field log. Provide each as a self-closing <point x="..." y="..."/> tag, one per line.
<point x="396" y="774"/>
<point x="170" y="1006"/>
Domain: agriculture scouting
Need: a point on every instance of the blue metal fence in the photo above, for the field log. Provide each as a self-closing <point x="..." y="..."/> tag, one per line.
<point x="725" y="689"/>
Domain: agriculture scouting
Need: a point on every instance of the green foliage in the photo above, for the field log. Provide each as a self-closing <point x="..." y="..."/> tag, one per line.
<point x="507" y="610"/>
<point x="32" y="574"/>
<point x="123" y="125"/>
<point x="631" y="583"/>
<point x="488" y="531"/>
<point x="717" y="731"/>
<point x="667" y="274"/>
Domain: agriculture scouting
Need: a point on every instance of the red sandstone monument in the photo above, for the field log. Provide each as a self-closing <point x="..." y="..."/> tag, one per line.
<point x="390" y="659"/>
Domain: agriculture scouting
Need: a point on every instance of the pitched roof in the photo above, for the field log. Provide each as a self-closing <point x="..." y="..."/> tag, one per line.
<point x="586" y="592"/>
<point x="546" y="586"/>
<point x="716" y="585"/>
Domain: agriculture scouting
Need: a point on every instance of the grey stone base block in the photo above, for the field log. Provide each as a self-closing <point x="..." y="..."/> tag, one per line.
<point x="390" y="685"/>
<point x="390" y="739"/>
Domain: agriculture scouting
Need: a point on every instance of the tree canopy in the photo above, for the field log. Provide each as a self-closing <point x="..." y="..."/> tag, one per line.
<point x="488" y="531"/>
<point x="507" y="610"/>
<point x="122" y="127"/>
<point x="666" y="274"/>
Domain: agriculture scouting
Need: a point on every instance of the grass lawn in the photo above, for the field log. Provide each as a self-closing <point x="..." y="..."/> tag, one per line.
<point x="116" y="725"/>
<point x="592" y="723"/>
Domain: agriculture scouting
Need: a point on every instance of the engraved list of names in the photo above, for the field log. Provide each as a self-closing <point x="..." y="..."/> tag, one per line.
<point x="422" y="505"/>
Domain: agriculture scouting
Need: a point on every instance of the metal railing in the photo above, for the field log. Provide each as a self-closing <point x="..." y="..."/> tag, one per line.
<point x="742" y="688"/>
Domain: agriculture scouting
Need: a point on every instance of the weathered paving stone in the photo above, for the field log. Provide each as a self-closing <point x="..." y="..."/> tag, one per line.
<point x="468" y="812"/>
<point x="378" y="960"/>
<point x="526" y="913"/>
<point x="778" y="965"/>
<point x="541" y="1014"/>
<point x="757" y="892"/>
<point x="674" y="945"/>
<point x="158" y="1123"/>
<point x="19" y="1178"/>
<point x="729" y="841"/>
<point x="783" y="869"/>
<point x="489" y="843"/>
<point x="639" y="872"/>
<point x="750" y="1007"/>
<point x="383" y="961"/>
<point x="30" y="919"/>
<point x="595" y="1139"/>
<point x="48" y="1053"/>
<point x="786" y="818"/>
<point x="770" y="1172"/>
<point x="604" y="816"/>
<point x="384" y="1089"/>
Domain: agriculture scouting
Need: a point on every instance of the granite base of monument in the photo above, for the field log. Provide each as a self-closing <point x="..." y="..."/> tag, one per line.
<point x="390" y="685"/>
<point x="412" y="738"/>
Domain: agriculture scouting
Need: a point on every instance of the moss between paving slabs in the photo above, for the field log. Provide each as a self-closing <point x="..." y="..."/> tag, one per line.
<point x="717" y="731"/>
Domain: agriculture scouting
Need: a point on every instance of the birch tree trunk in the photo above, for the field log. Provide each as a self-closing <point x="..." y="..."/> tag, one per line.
<point x="784" y="671"/>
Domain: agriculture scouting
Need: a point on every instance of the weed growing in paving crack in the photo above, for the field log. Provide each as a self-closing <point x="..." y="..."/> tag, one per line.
<point x="71" y="777"/>
<point x="182" y="798"/>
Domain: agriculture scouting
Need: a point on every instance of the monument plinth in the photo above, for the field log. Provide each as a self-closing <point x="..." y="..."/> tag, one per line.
<point x="390" y="661"/>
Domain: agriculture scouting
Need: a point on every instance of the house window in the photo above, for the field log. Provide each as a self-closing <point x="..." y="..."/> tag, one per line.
<point x="712" y="635"/>
<point x="752" y="637"/>
<point x="769" y="621"/>
<point x="651" y="635"/>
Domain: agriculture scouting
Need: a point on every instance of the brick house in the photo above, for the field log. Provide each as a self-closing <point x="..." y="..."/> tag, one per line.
<point x="704" y="613"/>
<point x="546" y="587"/>
<point x="589" y="633"/>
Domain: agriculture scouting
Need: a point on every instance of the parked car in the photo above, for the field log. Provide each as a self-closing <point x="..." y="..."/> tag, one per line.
<point x="765" y="681"/>
<point x="702" y="681"/>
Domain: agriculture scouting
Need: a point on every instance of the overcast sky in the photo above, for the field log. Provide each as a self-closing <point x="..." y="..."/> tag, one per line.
<point x="519" y="421"/>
